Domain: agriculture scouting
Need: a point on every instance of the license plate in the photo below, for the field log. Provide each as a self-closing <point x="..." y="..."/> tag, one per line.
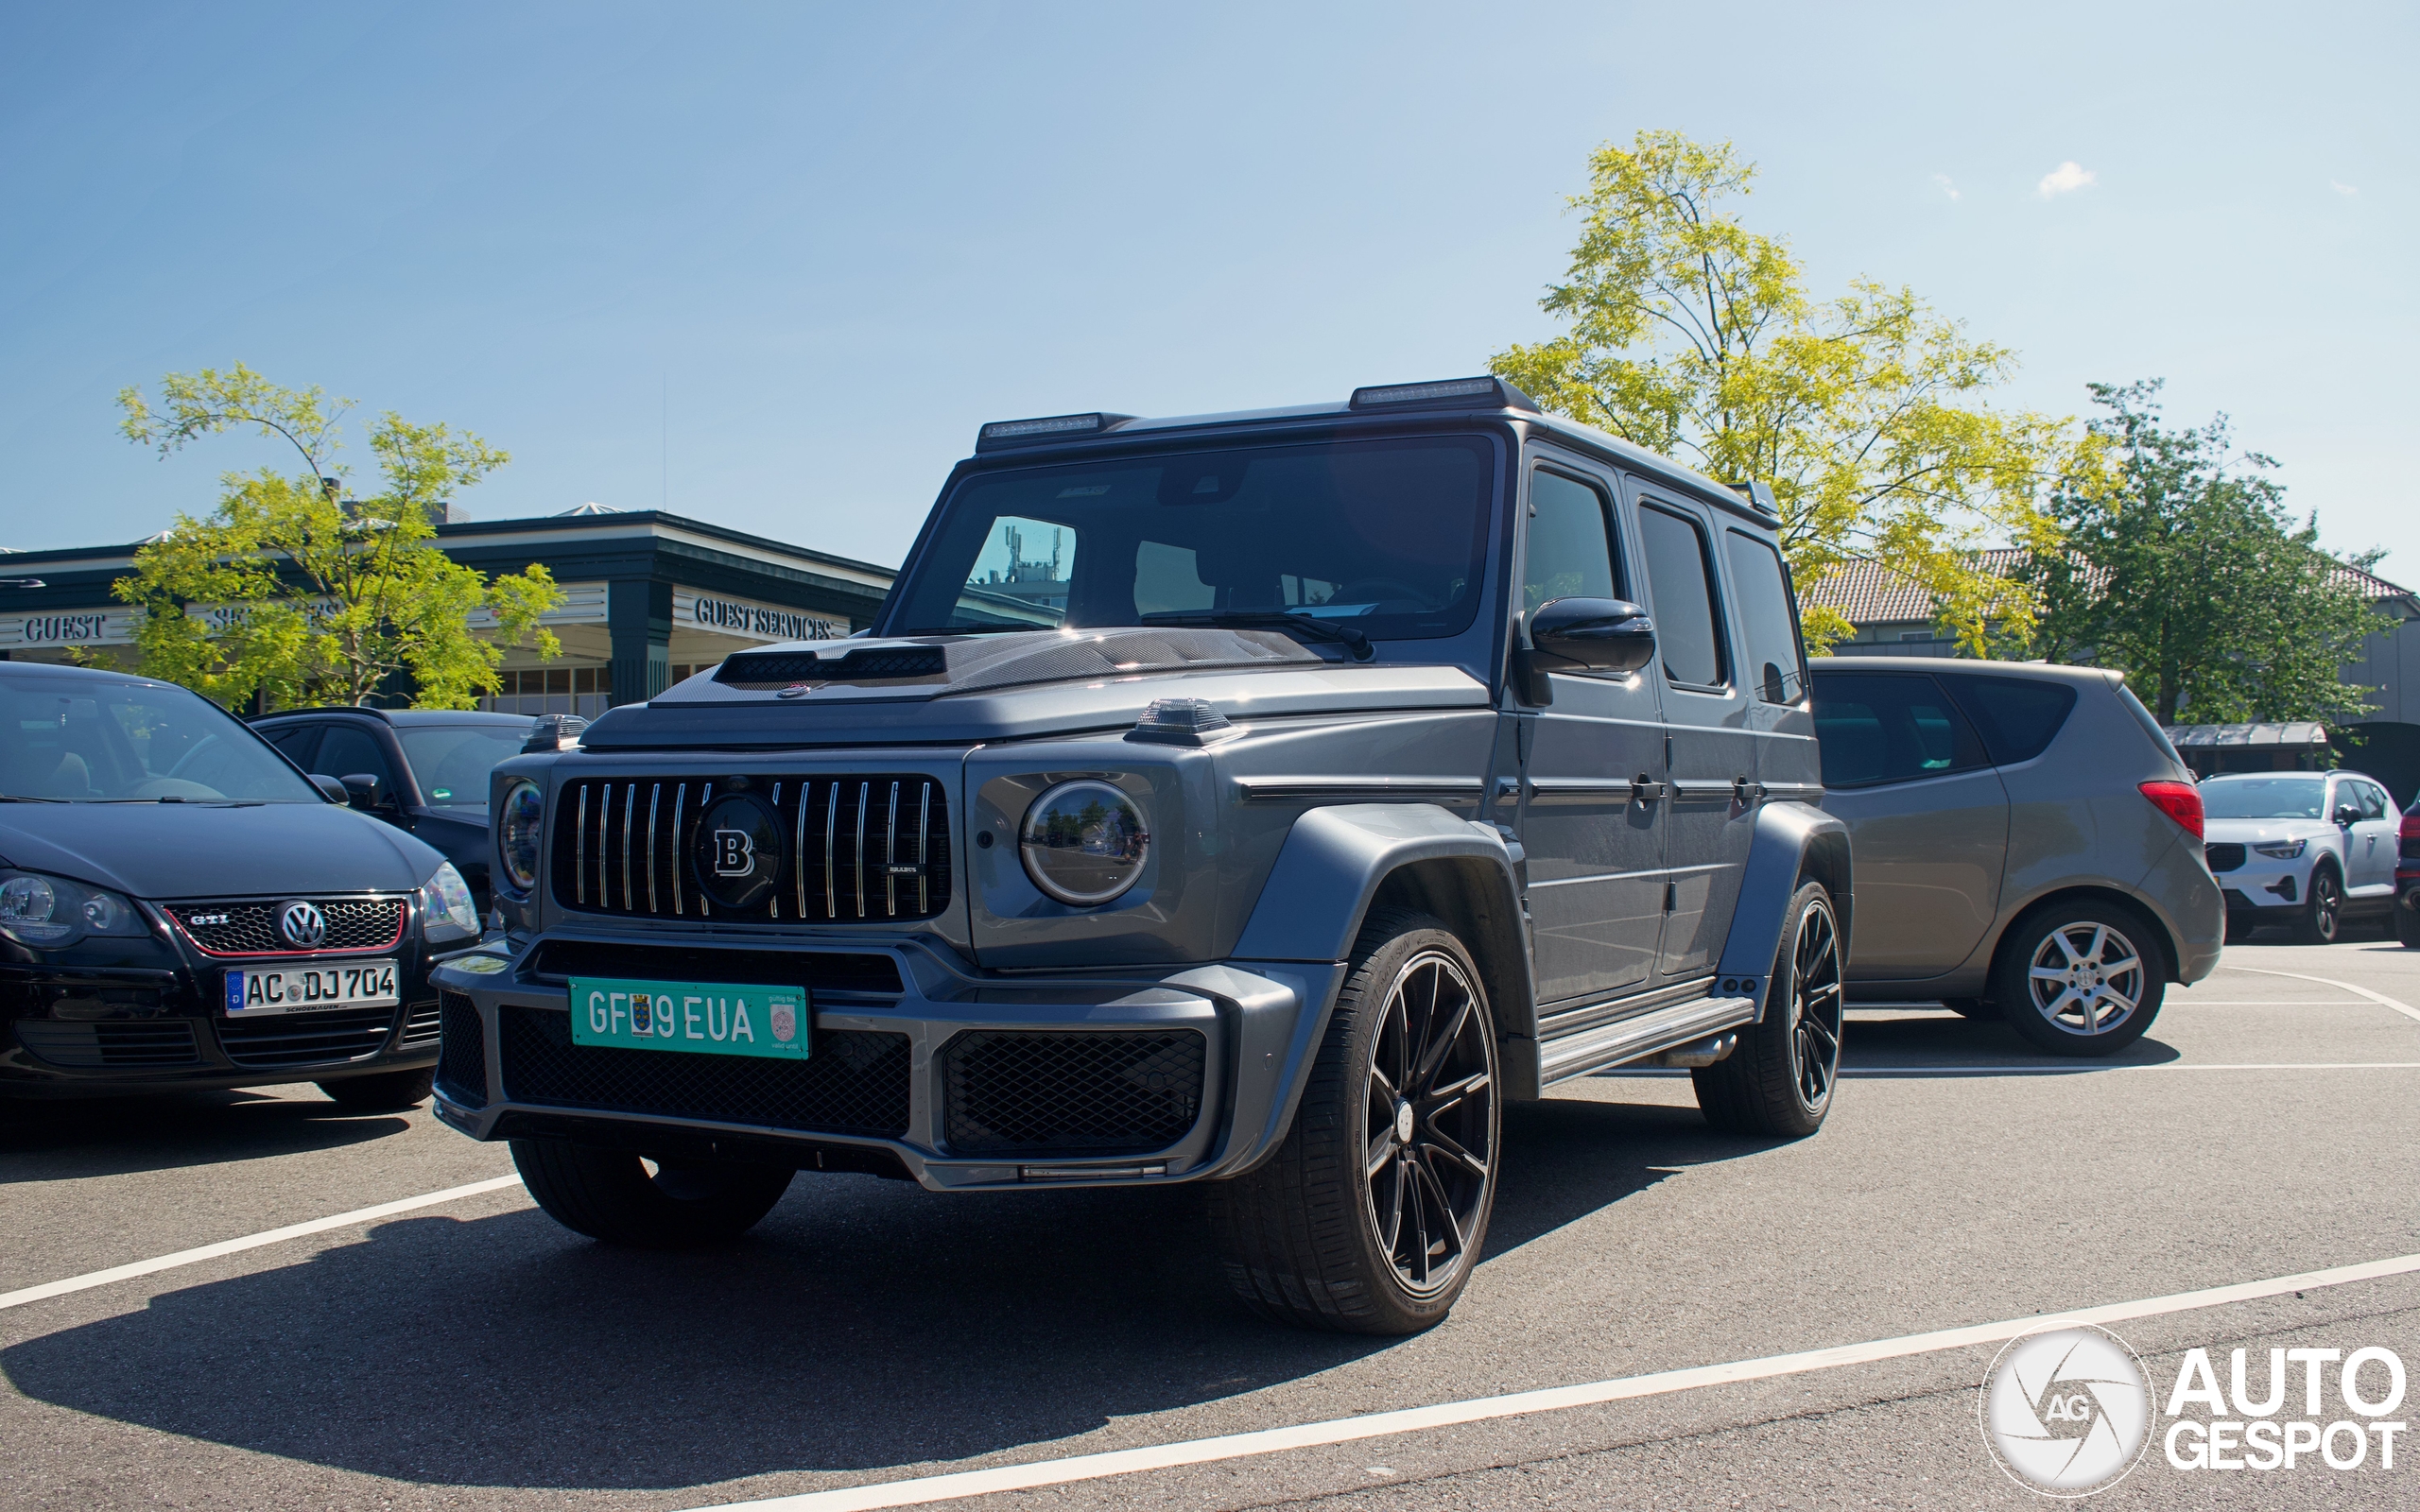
<point x="700" y="1018"/>
<point x="258" y="994"/>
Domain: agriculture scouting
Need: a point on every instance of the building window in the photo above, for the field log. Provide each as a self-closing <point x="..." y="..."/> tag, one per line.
<point x="584" y="691"/>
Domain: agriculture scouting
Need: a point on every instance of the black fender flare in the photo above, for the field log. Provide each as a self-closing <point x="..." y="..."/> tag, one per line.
<point x="1794" y="842"/>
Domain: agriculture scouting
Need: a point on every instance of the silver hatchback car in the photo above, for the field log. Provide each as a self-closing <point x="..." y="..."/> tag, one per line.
<point x="2027" y="845"/>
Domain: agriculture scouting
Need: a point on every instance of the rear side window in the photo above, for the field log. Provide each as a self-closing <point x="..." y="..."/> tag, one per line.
<point x="1768" y="627"/>
<point x="2018" y="717"/>
<point x="2151" y="726"/>
<point x="1681" y="577"/>
<point x="1890" y="727"/>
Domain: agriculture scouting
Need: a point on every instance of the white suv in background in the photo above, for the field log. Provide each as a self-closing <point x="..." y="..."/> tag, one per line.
<point x="2307" y="850"/>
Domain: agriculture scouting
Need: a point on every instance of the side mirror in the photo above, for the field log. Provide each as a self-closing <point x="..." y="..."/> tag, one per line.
<point x="334" y="790"/>
<point x="367" y="793"/>
<point x="1584" y="635"/>
<point x="2348" y="815"/>
<point x="553" y="732"/>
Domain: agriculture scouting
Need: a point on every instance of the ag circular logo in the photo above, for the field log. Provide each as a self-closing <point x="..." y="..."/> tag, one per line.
<point x="2066" y="1412"/>
<point x="303" y="925"/>
<point x="736" y="854"/>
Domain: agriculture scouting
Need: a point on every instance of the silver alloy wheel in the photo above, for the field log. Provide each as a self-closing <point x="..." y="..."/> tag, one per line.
<point x="1816" y="1004"/>
<point x="2087" y="977"/>
<point x="1428" y="1157"/>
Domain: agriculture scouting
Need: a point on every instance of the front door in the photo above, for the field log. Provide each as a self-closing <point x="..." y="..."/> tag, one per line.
<point x="2371" y="844"/>
<point x="1590" y="815"/>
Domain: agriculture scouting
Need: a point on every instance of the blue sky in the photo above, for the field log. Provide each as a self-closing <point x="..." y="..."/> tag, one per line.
<point x="774" y="265"/>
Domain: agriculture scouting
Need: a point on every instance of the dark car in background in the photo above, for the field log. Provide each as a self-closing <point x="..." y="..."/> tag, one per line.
<point x="422" y="770"/>
<point x="180" y="907"/>
<point x="2027" y="844"/>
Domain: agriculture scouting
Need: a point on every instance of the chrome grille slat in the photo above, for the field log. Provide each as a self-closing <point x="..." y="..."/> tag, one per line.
<point x="831" y="843"/>
<point x="579" y="862"/>
<point x="923" y="828"/>
<point x="890" y="856"/>
<point x="654" y="796"/>
<point x="679" y="796"/>
<point x="798" y="848"/>
<point x="630" y="804"/>
<point x="865" y="792"/>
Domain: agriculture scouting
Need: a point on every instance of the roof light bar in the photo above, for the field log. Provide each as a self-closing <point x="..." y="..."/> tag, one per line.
<point x="1491" y="391"/>
<point x="1044" y="428"/>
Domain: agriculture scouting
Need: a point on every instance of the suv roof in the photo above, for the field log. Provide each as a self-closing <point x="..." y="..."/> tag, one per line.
<point x="405" y="717"/>
<point x="2047" y="671"/>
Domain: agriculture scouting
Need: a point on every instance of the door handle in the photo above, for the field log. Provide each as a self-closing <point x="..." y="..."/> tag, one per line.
<point x="1744" y="792"/>
<point x="1645" y="789"/>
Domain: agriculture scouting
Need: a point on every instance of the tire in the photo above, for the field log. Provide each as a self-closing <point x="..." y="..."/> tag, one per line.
<point x="1982" y="1010"/>
<point x="2407" y="927"/>
<point x="2064" y="951"/>
<point x="2323" y="919"/>
<point x="2239" y="933"/>
<point x="608" y="1195"/>
<point x="384" y="1092"/>
<point x="1369" y="1220"/>
<point x="1779" y="1080"/>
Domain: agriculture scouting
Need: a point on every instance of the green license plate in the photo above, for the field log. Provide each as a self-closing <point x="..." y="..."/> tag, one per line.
<point x="703" y="1018"/>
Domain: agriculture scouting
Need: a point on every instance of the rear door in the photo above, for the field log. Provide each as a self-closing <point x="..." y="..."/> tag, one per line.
<point x="1927" y="820"/>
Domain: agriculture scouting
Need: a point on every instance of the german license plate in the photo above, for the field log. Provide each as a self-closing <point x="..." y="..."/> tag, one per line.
<point x="258" y="994"/>
<point x="700" y="1018"/>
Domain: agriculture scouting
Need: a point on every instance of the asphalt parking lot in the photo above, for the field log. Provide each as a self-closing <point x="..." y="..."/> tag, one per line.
<point x="469" y="1352"/>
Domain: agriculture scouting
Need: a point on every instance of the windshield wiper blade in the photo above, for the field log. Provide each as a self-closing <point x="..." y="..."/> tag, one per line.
<point x="28" y="797"/>
<point x="1306" y="625"/>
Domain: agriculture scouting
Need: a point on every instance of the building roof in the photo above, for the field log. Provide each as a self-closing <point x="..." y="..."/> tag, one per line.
<point x="1868" y="593"/>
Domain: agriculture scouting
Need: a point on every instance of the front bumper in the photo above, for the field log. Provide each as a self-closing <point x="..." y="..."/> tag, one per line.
<point x="2266" y="888"/>
<point x="917" y="1067"/>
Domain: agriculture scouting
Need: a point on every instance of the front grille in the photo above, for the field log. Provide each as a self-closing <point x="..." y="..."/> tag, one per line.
<point x="817" y="970"/>
<point x="1034" y="1092"/>
<point x="2224" y="856"/>
<point x="250" y="928"/>
<point x="420" y="1025"/>
<point x="461" y="1051"/>
<point x="306" y="1039"/>
<point x="853" y="849"/>
<point x="86" y="1046"/>
<point x="854" y="1081"/>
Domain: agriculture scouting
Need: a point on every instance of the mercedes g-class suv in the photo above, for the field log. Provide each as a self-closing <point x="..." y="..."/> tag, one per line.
<point x="1260" y="799"/>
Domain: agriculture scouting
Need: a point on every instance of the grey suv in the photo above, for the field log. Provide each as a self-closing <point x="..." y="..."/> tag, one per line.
<point x="1257" y="800"/>
<point x="2029" y="845"/>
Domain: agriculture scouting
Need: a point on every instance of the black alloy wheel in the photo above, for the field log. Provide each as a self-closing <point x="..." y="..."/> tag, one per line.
<point x="2322" y="918"/>
<point x="1373" y="1213"/>
<point x="1428" y="1137"/>
<point x="1779" y="1080"/>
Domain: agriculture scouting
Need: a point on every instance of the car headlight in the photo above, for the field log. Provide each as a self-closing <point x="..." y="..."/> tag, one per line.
<point x="447" y="911"/>
<point x="516" y="834"/>
<point x="1083" y="842"/>
<point x="39" y="910"/>
<point x="2282" y="850"/>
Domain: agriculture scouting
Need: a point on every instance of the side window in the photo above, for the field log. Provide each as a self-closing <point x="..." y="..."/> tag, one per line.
<point x="349" y="752"/>
<point x="1769" y="621"/>
<point x="2018" y="716"/>
<point x="1570" y="551"/>
<point x="296" y="741"/>
<point x="1890" y="727"/>
<point x="1682" y="578"/>
<point x="2374" y="802"/>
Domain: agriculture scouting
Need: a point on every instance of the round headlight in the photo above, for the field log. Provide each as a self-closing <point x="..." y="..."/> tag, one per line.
<point x="1083" y="842"/>
<point x="30" y="911"/>
<point x="516" y="834"/>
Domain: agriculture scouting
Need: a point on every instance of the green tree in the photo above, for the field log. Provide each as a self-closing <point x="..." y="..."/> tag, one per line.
<point x="1694" y="336"/>
<point x="2189" y="574"/>
<point x="306" y="595"/>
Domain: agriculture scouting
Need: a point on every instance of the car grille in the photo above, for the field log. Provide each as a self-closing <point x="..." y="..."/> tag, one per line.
<point x="84" y="1046"/>
<point x="854" y="848"/>
<point x="306" y="1039"/>
<point x="1034" y="1092"/>
<point x="462" y="1051"/>
<point x="250" y="928"/>
<point x="854" y="1081"/>
<point x="819" y="971"/>
<point x="420" y="1025"/>
<point x="2224" y="856"/>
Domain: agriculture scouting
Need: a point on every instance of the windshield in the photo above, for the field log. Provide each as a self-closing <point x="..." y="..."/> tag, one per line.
<point x="102" y="741"/>
<point x="2265" y="798"/>
<point x="1386" y="537"/>
<point x="452" y="761"/>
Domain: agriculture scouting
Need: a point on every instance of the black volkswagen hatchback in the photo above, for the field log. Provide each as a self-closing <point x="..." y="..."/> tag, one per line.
<point x="181" y="907"/>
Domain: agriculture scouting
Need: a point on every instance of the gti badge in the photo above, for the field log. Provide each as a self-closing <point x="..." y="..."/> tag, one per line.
<point x="303" y="925"/>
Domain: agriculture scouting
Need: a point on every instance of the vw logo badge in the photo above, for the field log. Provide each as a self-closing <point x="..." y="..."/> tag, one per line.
<point x="303" y="925"/>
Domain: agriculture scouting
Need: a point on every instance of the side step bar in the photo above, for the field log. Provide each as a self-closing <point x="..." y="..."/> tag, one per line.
<point x="1627" y="1040"/>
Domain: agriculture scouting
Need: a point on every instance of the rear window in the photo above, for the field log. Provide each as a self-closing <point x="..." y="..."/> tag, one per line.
<point x="2017" y="717"/>
<point x="1890" y="727"/>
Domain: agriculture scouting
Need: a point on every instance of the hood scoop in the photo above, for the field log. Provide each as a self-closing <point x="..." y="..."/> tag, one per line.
<point x="974" y="664"/>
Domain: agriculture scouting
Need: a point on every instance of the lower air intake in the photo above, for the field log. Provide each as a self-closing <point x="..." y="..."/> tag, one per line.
<point x="1036" y="1092"/>
<point x="306" y="1039"/>
<point x="88" y="1046"/>
<point x="461" y="1051"/>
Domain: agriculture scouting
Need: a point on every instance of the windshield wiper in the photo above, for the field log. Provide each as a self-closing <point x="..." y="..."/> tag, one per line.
<point x="26" y="798"/>
<point x="1306" y="625"/>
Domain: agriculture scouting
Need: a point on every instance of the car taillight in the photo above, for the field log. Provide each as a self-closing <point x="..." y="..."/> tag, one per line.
<point x="2181" y="801"/>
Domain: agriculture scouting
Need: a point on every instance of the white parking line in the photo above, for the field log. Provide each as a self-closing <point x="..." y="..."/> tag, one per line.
<point x="236" y="1246"/>
<point x="925" y="1490"/>
<point x="2080" y="1065"/>
<point x="2380" y="998"/>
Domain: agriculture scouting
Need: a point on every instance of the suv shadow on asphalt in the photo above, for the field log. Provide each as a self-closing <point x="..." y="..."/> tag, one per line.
<point x="864" y="1325"/>
<point x="63" y="1139"/>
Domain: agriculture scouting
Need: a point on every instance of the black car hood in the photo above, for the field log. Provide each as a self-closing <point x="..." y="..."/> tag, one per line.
<point x="197" y="850"/>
